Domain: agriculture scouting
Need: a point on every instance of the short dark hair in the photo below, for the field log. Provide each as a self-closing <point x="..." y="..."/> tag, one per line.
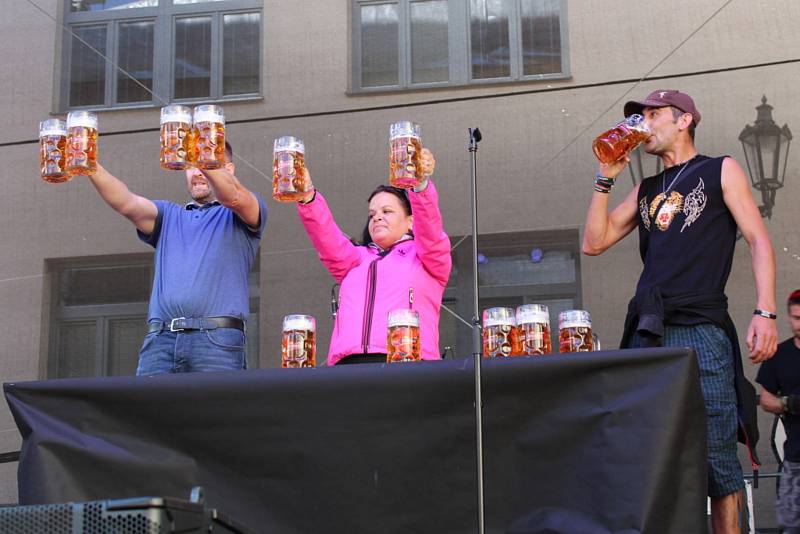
<point x="401" y="194"/>
<point x="677" y="113"/>
<point x="228" y="151"/>
<point x="794" y="298"/>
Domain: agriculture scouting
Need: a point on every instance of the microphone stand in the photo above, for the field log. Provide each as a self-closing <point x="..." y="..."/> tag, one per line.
<point x="477" y="349"/>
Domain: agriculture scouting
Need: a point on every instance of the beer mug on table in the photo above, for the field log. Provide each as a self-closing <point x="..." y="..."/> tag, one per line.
<point x="533" y="329"/>
<point x="575" y="331"/>
<point x="290" y="182"/>
<point x="619" y="141"/>
<point x="81" y="143"/>
<point x="209" y="137"/>
<point x="177" y="151"/>
<point x="500" y="333"/>
<point x="402" y="338"/>
<point x="405" y="150"/>
<point x="298" y="343"/>
<point x="52" y="151"/>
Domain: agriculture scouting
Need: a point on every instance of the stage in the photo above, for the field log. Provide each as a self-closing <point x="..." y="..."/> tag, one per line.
<point x="612" y="441"/>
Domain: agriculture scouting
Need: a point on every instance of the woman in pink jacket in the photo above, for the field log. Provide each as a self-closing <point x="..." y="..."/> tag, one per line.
<point x="378" y="275"/>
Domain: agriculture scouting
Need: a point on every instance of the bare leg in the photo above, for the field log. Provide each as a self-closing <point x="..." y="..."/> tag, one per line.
<point x="725" y="513"/>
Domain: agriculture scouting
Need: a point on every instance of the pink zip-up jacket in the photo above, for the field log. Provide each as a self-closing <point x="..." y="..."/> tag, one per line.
<point x="372" y="285"/>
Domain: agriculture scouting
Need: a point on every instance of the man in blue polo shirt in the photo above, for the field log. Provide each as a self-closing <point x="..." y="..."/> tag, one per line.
<point x="204" y="251"/>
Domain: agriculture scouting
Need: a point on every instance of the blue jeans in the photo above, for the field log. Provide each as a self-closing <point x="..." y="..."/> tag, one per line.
<point x="221" y="349"/>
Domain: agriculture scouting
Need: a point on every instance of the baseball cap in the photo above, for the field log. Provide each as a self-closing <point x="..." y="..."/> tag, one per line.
<point x="662" y="98"/>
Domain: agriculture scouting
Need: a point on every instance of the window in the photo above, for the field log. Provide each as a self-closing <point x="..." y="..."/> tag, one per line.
<point x="98" y="315"/>
<point x="513" y="269"/>
<point x="112" y="52"/>
<point x="401" y="44"/>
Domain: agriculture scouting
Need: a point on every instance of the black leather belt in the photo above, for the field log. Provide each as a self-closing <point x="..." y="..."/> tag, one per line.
<point x="180" y="324"/>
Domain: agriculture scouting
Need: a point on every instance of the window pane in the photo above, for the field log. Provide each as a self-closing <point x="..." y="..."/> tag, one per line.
<point x="88" y="67"/>
<point x="125" y="339"/>
<point x="541" y="37"/>
<point x="76" y="349"/>
<point x="135" y="56"/>
<point x="489" y="38"/>
<point x="429" y="44"/>
<point x="99" y="5"/>
<point x="379" y="45"/>
<point x="104" y="285"/>
<point x="241" y="53"/>
<point x="193" y="57"/>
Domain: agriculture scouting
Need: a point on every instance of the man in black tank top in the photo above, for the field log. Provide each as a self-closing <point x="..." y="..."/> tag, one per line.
<point x="687" y="217"/>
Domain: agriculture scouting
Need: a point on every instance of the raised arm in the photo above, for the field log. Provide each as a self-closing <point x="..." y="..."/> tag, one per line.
<point x="762" y="334"/>
<point x="434" y="245"/>
<point x="142" y="212"/>
<point x="604" y="229"/>
<point x="230" y="192"/>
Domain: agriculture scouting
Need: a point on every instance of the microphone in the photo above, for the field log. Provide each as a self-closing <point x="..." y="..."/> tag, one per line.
<point x="334" y="301"/>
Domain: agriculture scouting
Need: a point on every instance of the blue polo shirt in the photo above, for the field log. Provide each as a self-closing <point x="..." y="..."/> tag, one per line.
<point x="202" y="261"/>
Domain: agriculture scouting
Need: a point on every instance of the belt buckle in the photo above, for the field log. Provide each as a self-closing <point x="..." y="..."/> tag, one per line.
<point x="173" y="328"/>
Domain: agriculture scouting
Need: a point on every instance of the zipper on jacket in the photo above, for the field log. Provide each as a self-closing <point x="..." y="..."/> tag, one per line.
<point x="366" y="324"/>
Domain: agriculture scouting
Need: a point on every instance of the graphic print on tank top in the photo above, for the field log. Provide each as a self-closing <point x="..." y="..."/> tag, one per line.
<point x="670" y="204"/>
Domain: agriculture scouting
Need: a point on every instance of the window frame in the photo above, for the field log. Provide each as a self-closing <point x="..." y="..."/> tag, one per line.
<point x="459" y="48"/>
<point x="163" y="17"/>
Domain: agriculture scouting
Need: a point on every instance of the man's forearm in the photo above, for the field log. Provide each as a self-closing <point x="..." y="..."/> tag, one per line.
<point x="763" y="263"/>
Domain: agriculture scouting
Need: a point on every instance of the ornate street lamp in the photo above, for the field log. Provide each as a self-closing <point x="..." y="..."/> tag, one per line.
<point x="766" y="147"/>
<point x="636" y="166"/>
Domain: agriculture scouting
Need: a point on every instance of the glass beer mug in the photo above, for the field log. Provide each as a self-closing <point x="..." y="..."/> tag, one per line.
<point x="619" y="141"/>
<point x="575" y="331"/>
<point x="405" y="147"/>
<point x="533" y="329"/>
<point x="500" y="333"/>
<point x="298" y="346"/>
<point x="52" y="151"/>
<point x="176" y="137"/>
<point x="209" y="137"/>
<point x="402" y="338"/>
<point x="81" y="142"/>
<point x="290" y="183"/>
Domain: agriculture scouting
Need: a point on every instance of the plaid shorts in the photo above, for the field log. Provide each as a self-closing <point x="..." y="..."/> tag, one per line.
<point x="715" y="359"/>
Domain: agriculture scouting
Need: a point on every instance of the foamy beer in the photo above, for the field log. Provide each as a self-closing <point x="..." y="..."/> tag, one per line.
<point x="52" y="151"/>
<point x="176" y="138"/>
<point x="500" y="333"/>
<point x="298" y="344"/>
<point x="533" y="329"/>
<point x="620" y="140"/>
<point x="405" y="147"/>
<point x="402" y="338"/>
<point x="81" y="142"/>
<point x="575" y="331"/>
<point x="209" y="137"/>
<point x="290" y="183"/>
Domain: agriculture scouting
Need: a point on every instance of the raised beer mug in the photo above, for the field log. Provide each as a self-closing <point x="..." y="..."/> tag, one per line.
<point x="177" y="139"/>
<point x="500" y="333"/>
<point x="575" y="331"/>
<point x="52" y="151"/>
<point x="402" y="337"/>
<point x="533" y="329"/>
<point x="290" y="182"/>
<point x="619" y="141"/>
<point x="209" y="135"/>
<point x="405" y="148"/>
<point x="298" y="343"/>
<point x="81" y="142"/>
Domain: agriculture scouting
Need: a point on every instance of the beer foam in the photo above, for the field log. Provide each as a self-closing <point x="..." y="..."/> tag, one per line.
<point x="299" y="322"/>
<point x="403" y="318"/>
<point x="87" y="119"/>
<point x="209" y="114"/>
<point x="499" y="321"/>
<point x="531" y="316"/>
<point x="176" y="116"/>
<point x="403" y="129"/>
<point x="52" y="131"/>
<point x="574" y="319"/>
<point x="289" y="143"/>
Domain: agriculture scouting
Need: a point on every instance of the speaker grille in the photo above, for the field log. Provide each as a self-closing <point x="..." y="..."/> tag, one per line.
<point x="48" y="518"/>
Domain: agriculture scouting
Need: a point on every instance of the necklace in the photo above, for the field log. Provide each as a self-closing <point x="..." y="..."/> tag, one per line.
<point x="664" y="188"/>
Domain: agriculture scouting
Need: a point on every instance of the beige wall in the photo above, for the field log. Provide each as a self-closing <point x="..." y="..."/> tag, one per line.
<point x="535" y="165"/>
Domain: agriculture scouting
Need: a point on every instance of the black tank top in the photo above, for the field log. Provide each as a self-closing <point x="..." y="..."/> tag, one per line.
<point x="687" y="235"/>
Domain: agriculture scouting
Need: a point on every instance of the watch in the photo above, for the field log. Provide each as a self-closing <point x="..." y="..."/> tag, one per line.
<point x="784" y="403"/>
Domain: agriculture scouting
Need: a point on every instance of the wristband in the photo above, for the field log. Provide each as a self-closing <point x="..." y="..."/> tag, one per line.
<point x="764" y="313"/>
<point x="600" y="189"/>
